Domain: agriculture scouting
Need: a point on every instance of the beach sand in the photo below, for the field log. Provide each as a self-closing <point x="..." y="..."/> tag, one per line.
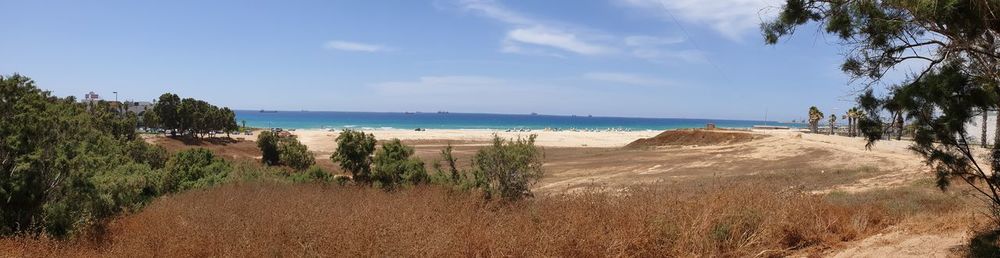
<point x="323" y="141"/>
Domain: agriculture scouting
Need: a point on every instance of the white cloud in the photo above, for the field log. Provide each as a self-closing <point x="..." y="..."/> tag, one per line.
<point x="354" y="46"/>
<point x="492" y="10"/>
<point x="731" y="18"/>
<point x="556" y="39"/>
<point x="532" y="36"/>
<point x="626" y="78"/>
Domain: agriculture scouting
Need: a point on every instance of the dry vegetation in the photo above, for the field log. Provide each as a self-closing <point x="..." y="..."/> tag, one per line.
<point x="716" y="219"/>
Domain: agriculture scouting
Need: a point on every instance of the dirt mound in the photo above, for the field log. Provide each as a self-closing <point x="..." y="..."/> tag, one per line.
<point x="695" y="137"/>
<point x="225" y="147"/>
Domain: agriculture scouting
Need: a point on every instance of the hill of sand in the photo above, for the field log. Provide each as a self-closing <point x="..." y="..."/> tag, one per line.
<point x="695" y="137"/>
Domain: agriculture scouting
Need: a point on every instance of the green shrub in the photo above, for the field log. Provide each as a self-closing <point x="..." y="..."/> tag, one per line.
<point x="395" y="165"/>
<point x="354" y="153"/>
<point x="193" y="168"/>
<point x="267" y="142"/>
<point x="508" y="168"/>
<point x="294" y="154"/>
<point x="152" y="155"/>
<point x="66" y="165"/>
<point x="314" y="174"/>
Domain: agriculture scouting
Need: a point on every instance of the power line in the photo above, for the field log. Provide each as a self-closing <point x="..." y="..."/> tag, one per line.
<point x="693" y="42"/>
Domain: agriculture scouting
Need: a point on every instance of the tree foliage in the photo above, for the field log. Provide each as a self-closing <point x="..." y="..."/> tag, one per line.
<point x="956" y="42"/>
<point x="65" y="164"/>
<point x="193" y="168"/>
<point x="508" y="168"/>
<point x="354" y="153"/>
<point x="267" y="142"/>
<point x="881" y="34"/>
<point x="395" y="165"/>
<point x="190" y="116"/>
<point x="814" y="117"/>
<point x="294" y="154"/>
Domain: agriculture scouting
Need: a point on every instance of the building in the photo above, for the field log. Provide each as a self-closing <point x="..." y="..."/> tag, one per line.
<point x="138" y="107"/>
<point x="90" y="97"/>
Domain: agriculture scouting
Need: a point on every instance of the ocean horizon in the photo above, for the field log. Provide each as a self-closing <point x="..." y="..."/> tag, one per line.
<point x="446" y="120"/>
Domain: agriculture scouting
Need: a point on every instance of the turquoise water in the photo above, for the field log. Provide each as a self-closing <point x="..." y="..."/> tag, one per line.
<point x="373" y="120"/>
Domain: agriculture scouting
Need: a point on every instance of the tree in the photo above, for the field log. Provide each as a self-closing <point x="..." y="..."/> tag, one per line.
<point x="354" y="153"/>
<point x="940" y="104"/>
<point x="66" y="165"/>
<point x="294" y="154"/>
<point x="267" y="142"/>
<point x="165" y="111"/>
<point x="193" y="168"/>
<point x="983" y="141"/>
<point x="814" y="116"/>
<point x="882" y="34"/>
<point x="508" y="168"/>
<point x="229" y="121"/>
<point x="852" y="115"/>
<point x="833" y="123"/>
<point x="190" y="116"/>
<point x="395" y="165"/>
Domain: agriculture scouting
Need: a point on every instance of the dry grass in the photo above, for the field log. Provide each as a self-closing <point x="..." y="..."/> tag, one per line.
<point x="271" y="219"/>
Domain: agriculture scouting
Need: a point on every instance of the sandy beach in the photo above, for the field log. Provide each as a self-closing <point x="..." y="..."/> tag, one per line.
<point x="323" y="141"/>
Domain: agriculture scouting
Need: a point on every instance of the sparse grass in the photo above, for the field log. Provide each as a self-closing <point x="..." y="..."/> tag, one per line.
<point x="263" y="218"/>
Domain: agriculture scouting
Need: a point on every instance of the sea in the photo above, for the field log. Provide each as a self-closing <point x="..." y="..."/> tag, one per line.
<point x="446" y="120"/>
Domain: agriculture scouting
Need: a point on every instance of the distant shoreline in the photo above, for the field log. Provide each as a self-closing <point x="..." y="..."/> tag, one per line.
<point x="473" y="121"/>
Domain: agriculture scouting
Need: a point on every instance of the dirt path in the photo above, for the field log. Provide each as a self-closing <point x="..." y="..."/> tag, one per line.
<point x="903" y="244"/>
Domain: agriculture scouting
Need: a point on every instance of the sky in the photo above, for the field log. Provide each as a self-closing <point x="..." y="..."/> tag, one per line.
<point x="632" y="58"/>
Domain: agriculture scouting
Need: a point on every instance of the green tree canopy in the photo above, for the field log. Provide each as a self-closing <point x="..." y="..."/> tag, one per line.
<point x="508" y="168"/>
<point x="294" y="154"/>
<point x="354" y="153"/>
<point x="267" y="142"/>
<point x="395" y="165"/>
<point x="64" y="164"/>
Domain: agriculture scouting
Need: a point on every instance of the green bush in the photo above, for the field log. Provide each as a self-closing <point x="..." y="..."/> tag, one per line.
<point x="267" y="142"/>
<point x="508" y="168"/>
<point x="193" y="168"/>
<point x="294" y="154"/>
<point x="354" y="153"/>
<point x="312" y="175"/>
<point x="152" y="155"/>
<point x="395" y="165"/>
<point x="66" y="165"/>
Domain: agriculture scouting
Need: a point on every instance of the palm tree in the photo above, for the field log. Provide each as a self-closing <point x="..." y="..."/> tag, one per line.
<point x="851" y="115"/>
<point x="814" y="116"/>
<point x="858" y="114"/>
<point x="982" y="140"/>
<point x="833" y="121"/>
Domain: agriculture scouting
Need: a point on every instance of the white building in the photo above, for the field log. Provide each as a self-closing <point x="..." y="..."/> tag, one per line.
<point x="90" y="97"/>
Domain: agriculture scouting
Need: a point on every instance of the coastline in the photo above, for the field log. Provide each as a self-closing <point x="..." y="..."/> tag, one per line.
<point x="323" y="141"/>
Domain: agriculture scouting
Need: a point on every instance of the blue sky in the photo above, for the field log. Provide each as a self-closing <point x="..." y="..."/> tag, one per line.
<point x="647" y="58"/>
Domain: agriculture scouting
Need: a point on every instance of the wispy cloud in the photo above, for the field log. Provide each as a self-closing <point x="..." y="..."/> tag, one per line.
<point x="557" y="39"/>
<point x="354" y="46"/>
<point x="731" y="18"/>
<point x="533" y="36"/>
<point x="626" y="78"/>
